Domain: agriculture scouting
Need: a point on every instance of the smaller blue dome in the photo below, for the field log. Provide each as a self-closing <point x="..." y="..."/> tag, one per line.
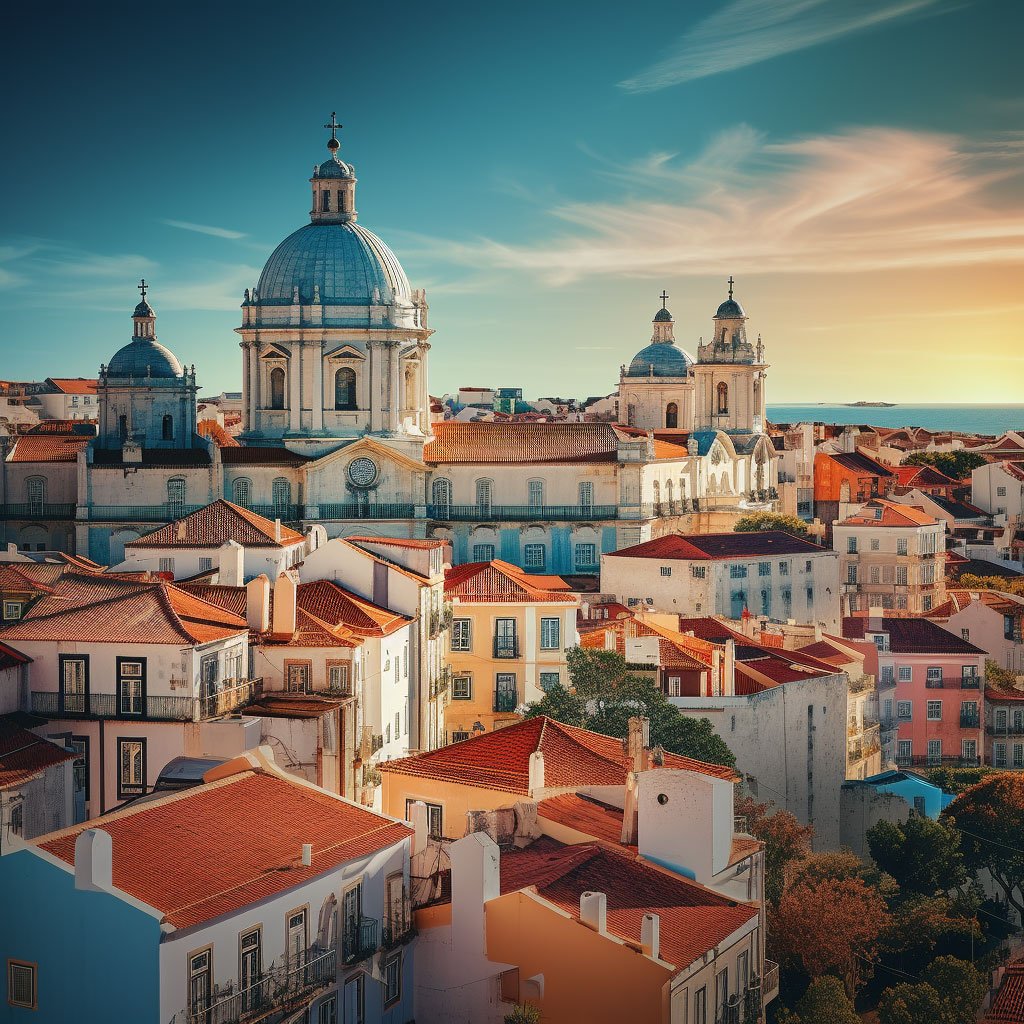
<point x="666" y="360"/>
<point x="143" y="357"/>
<point x="729" y="310"/>
<point x="335" y="168"/>
<point x="662" y="316"/>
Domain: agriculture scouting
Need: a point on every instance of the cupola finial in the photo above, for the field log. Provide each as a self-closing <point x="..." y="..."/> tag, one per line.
<point x="664" y="298"/>
<point x="143" y="287"/>
<point x="731" y="283"/>
<point x="332" y="143"/>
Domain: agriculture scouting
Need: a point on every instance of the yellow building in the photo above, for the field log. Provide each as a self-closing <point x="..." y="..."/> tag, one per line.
<point x="510" y="631"/>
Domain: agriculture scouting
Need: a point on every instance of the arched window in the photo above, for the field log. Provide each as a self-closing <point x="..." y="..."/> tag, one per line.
<point x="669" y="495"/>
<point x="122" y="427"/>
<point x="723" y="397"/>
<point x="345" y="388"/>
<point x="535" y="493"/>
<point x="671" y="416"/>
<point x="277" y="388"/>
<point x="441" y="498"/>
<point x="757" y="398"/>
<point x="657" y="496"/>
<point x="281" y="495"/>
<point x="483" y="497"/>
<point x="241" y="492"/>
<point x="325" y="199"/>
<point x="176" y="497"/>
<point x="35" y="489"/>
<point x="167" y="432"/>
<point x="586" y="493"/>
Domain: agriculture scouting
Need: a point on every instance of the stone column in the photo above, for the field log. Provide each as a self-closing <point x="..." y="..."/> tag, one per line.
<point x="254" y="385"/>
<point x="316" y="354"/>
<point x="373" y="390"/>
<point x="295" y="388"/>
<point x="394" y="368"/>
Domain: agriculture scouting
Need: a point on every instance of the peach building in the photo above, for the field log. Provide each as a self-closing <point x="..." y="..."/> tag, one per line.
<point x="893" y="557"/>
<point x="509" y="634"/>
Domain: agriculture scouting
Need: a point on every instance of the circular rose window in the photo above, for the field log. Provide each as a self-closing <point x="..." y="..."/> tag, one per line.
<point x="362" y="471"/>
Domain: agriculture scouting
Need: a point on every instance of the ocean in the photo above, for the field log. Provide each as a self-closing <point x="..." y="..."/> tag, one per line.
<point x="978" y="419"/>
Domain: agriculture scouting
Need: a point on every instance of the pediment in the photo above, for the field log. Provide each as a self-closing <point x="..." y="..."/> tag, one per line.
<point x="345" y="352"/>
<point x="372" y="447"/>
<point x="274" y="351"/>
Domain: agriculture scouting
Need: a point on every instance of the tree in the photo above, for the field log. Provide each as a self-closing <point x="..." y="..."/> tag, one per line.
<point x="1005" y="584"/>
<point x="837" y="865"/>
<point x="785" y="841"/>
<point x="604" y="695"/>
<point x="825" y="1000"/>
<point x="911" y="1004"/>
<point x="524" y="1013"/>
<point x="961" y="986"/>
<point x="922" y="855"/>
<point x="755" y="522"/>
<point x="956" y="464"/>
<point x="920" y="923"/>
<point x="989" y="818"/>
<point x="830" y="928"/>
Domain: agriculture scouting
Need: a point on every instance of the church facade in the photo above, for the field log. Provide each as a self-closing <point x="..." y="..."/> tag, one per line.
<point x="335" y="346"/>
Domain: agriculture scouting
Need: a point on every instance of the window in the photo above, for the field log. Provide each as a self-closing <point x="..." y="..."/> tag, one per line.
<point x="354" y="1002"/>
<point x="723" y="398"/>
<point x="441" y="497"/>
<point x="851" y="545"/>
<point x="783" y="568"/>
<point x="166" y="565"/>
<point x="434" y="817"/>
<point x="874" y="574"/>
<point x="886" y="675"/>
<point x="12" y="610"/>
<point x="721" y="992"/>
<point x="699" y="572"/>
<point x="874" y="544"/>
<point x="167" y="428"/>
<point x="122" y="427"/>
<point x="999" y="755"/>
<point x="462" y="635"/>
<point x="764" y="568"/>
<point x="483" y="552"/>
<point x="549" y="680"/>
<point x="176" y="497"/>
<point x="250" y="968"/>
<point x="700" y="1006"/>
<point x="666" y="570"/>
<point x="277" y="388"/>
<point x="533" y="556"/>
<point x="131" y="687"/>
<point x="131" y="767"/>
<point x="671" y="416"/>
<point x="934" y="751"/>
<point x="903" y="752"/>
<point x="16" y="822"/>
<point x="298" y="677"/>
<point x="506" y="693"/>
<point x="21" y="984"/>
<point x="281" y="495"/>
<point x="1000" y="492"/>
<point x="737" y="572"/>
<point x="550" y="634"/>
<point x="483" y="497"/>
<point x="325" y="199"/>
<point x="462" y="688"/>
<point x="585" y="556"/>
<point x="535" y="493"/>
<point x="810" y="597"/>
<point x="458" y="735"/>
<point x="338" y="678"/>
<point x="35" y="489"/>
<point x="933" y="676"/>
<point x="398" y="724"/>
<point x="966" y="634"/>
<point x="851" y="573"/>
<point x="74" y="684"/>
<point x="345" y="388"/>
<point x="903" y="709"/>
<point x="327" y="1012"/>
<point x="675" y="686"/>
<point x="1018" y="755"/>
<point x="205" y="564"/>
<point x="241" y="491"/>
<point x="969" y="676"/>
<point x="901" y="545"/>
<point x="586" y="495"/>
<point x="392" y="978"/>
<point x="934" y="712"/>
<point x="505" y="641"/>
<point x="905" y="673"/>
<point x="969" y="751"/>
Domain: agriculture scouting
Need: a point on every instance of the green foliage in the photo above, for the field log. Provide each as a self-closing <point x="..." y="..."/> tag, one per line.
<point x="955" y="780"/>
<point x="995" y="673"/>
<point x="1004" y="584"/>
<point x="524" y="1013"/>
<point x="911" y="1004"/>
<point x="955" y="464"/>
<point x="837" y="865"/>
<point x="755" y="522"/>
<point x="922" y="855"/>
<point x="605" y="695"/>
<point x="961" y="986"/>
<point x="825" y="1000"/>
<point x="920" y="923"/>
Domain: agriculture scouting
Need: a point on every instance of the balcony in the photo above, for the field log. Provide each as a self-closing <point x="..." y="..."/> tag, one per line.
<point x="970" y="720"/>
<point x="970" y="682"/>
<point x="1006" y="729"/>
<point x="937" y="761"/>
<point x="359" y="510"/>
<point x="398" y="928"/>
<point x="522" y="513"/>
<point x="46" y="510"/>
<point x="440" y="685"/>
<point x="359" y="939"/>
<point x="236" y="693"/>
<point x="439" y="621"/>
<point x="166" y="513"/>
<point x="287" y="989"/>
<point x="935" y="683"/>
<point x="770" y="981"/>
<point x="505" y="701"/>
<point x="506" y="647"/>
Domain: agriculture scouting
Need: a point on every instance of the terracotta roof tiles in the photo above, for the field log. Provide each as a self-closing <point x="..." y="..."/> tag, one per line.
<point x="504" y="583"/>
<point x="48" y="448"/>
<point x="456" y="441"/>
<point x="714" y="546"/>
<point x="1008" y="1002"/>
<point x="23" y="755"/>
<point x="216" y="523"/>
<point x="891" y="514"/>
<point x="912" y="636"/>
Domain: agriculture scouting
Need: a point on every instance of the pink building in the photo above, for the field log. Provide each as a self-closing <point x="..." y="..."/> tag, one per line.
<point x="930" y="690"/>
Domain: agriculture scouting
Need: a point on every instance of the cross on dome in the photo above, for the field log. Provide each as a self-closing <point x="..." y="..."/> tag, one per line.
<point x="143" y="287"/>
<point x="333" y="144"/>
<point x="731" y="283"/>
<point x="664" y="298"/>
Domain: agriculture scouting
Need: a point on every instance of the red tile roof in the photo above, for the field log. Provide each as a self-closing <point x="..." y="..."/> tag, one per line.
<point x="912" y="636"/>
<point x="23" y="755"/>
<point x="858" y="462"/>
<point x="456" y="441"/>
<point x="675" y="650"/>
<point x="892" y="514"/>
<point x="500" y="760"/>
<point x="36" y="577"/>
<point x="213" y="525"/>
<point x="246" y="455"/>
<point x="504" y="583"/>
<point x="48" y="447"/>
<point x="922" y="476"/>
<point x="1008" y="1002"/>
<point x="400" y="542"/>
<point x="694" y="919"/>
<point x="74" y="385"/>
<point x="235" y="842"/>
<point x="765" y="543"/>
<point x="958" y="600"/>
<point x="331" y="603"/>
<point x="584" y="814"/>
<point x="106" y="609"/>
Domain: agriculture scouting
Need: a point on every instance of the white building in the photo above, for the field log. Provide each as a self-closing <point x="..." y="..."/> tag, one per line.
<point x="767" y="573"/>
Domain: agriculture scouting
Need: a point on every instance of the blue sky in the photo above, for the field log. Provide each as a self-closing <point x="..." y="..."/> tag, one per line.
<point x="544" y="170"/>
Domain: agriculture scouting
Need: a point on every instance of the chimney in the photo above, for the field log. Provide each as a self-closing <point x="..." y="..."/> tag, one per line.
<point x="307" y="854"/>
<point x="257" y="603"/>
<point x="729" y="669"/>
<point x="94" y="861"/>
<point x="418" y="820"/>
<point x="277" y="530"/>
<point x="594" y="911"/>
<point x="638" y="743"/>
<point x="284" y="605"/>
<point x="875" y="619"/>
<point x="180" y="531"/>
<point x="536" y="772"/>
<point x="609" y="639"/>
<point x="650" y="935"/>
<point x="475" y="861"/>
<point x="230" y="562"/>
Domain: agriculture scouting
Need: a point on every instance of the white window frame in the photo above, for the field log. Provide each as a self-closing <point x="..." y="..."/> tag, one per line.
<point x="933" y="711"/>
<point x="461" y="635"/>
<point x="548" y="642"/>
<point x="464" y="693"/>
<point x="22" y="984"/>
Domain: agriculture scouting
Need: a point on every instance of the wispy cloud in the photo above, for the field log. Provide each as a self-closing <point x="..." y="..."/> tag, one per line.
<point x="746" y="32"/>
<point x="865" y="199"/>
<point x="204" y="229"/>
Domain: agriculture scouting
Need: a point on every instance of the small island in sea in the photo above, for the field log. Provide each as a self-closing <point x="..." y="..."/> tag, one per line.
<point x="870" y="405"/>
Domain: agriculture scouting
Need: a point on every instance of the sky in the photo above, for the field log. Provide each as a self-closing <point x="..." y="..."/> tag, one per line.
<point x="544" y="170"/>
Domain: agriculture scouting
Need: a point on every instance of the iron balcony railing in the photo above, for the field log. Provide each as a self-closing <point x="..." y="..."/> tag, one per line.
<point x="170" y="511"/>
<point x="52" y="704"/>
<point x="770" y="980"/>
<point x="1006" y="729"/>
<point x="937" y="760"/>
<point x="359" y="939"/>
<point x="398" y="927"/>
<point x="505" y="701"/>
<point x="970" y="682"/>
<point x="359" y="510"/>
<point x="506" y="647"/>
<point x="284" y="988"/>
<point x="970" y="720"/>
<point x="521" y="513"/>
<point x="38" y="510"/>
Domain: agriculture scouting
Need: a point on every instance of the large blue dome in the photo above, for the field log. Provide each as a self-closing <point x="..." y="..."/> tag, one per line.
<point x="660" y="360"/>
<point x="143" y="357"/>
<point x="345" y="261"/>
